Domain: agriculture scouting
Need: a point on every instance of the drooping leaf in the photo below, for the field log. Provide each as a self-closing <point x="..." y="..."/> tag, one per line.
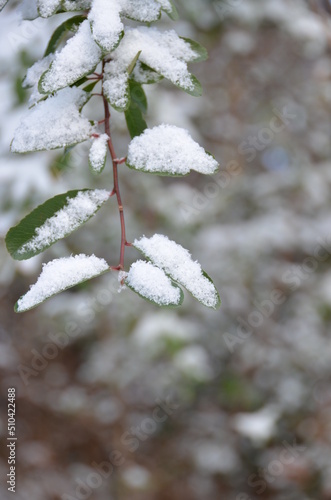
<point x="169" y="150"/>
<point x="153" y="285"/>
<point x="98" y="153"/>
<point x="138" y="105"/>
<point x="78" y="58"/>
<point x="53" y="220"/>
<point x="59" y="275"/>
<point x="177" y="263"/>
<point x="54" y="123"/>
<point x="71" y="24"/>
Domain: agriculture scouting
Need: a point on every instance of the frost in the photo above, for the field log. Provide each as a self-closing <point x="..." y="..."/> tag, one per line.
<point x="53" y="123"/>
<point x="106" y="24"/>
<point x="47" y="8"/>
<point x="79" y="57"/>
<point x="60" y="274"/>
<point x="169" y="149"/>
<point x="166" y="53"/>
<point x="152" y="283"/>
<point x="176" y="261"/>
<point x="98" y="153"/>
<point x="33" y="76"/>
<point x="77" y="211"/>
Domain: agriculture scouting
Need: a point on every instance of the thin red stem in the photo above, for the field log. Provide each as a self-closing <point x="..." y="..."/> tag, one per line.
<point x="116" y="189"/>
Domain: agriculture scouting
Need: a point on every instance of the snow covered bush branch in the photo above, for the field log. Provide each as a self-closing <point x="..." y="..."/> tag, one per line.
<point x="95" y="49"/>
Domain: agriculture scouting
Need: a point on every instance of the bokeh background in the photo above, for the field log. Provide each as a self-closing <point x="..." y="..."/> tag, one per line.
<point x="120" y="400"/>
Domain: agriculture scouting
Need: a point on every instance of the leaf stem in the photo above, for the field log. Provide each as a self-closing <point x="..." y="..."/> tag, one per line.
<point x="116" y="190"/>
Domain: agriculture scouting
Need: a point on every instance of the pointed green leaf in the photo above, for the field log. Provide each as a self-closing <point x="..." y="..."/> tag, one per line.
<point x="196" y="91"/>
<point x="135" y="121"/>
<point x="172" y="13"/>
<point x="59" y="275"/>
<point x="53" y="220"/>
<point x="133" y="63"/>
<point x="71" y="24"/>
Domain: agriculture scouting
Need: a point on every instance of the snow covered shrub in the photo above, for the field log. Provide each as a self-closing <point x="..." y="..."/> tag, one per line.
<point x="93" y="49"/>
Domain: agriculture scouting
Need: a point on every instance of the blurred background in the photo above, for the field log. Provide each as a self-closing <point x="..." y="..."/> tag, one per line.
<point x="120" y="400"/>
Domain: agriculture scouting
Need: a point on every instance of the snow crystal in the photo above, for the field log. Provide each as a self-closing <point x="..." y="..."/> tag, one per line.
<point x="106" y="23"/>
<point x="165" y="53"/>
<point x="153" y="284"/>
<point x="98" y="153"/>
<point x="79" y="57"/>
<point x="169" y="149"/>
<point x="77" y="211"/>
<point x="176" y="261"/>
<point x="47" y="8"/>
<point x="60" y="274"/>
<point x="33" y="76"/>
<point x="53" y="123"/>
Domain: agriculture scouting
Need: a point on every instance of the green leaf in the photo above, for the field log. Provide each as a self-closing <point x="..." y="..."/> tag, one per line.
<point x="133" y="63"/>
<point x="138" y="95"/>
<point x="173" y="13"/>
<point x="143" y="74"/>
<point x="135" y="120"/>
<point x="201" y="51"/>
<point x="44" y="226"/>
<point x="60" y="275"/>
<point x="2" y="4"/>
<point x="71" y="24"/>
<point x="170" y="306"/>
<point x="90" y="86"/>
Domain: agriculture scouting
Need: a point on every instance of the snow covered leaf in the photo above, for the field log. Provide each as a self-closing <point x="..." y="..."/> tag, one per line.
<point x="71" y="24"/>
<point x="200" y="51"/>
<point x="54" y="123"/>
<point x="2" y="4"/>
<point x="107" y="27"/>
<point x="78" y="58"/>
<point x="98" y="153"/>
<point x="177" y="262"/>
<point x="168" y="6"/>
<point x="145" y="11"/>
<point x="59" y="275"/>
<point x="163" y="52"/>
<point x="144" y="75"/>
<point x="47" y="8"/>
<point x="53" y="220"/>
<point x="169" y="150"/>
<point x="153" y="284"/>
<point x="32" y="78"/>
<point x="74" y="5"/>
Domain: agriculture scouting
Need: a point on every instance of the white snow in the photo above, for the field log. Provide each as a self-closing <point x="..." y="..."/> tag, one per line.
<point x="152" y="283"/>
<point x="60" y="274"/>
<point x="164" y="52"/>
<point x="169" y="149"/>
<point x="77" y="211"/>
<point x="98" y="153"/>
<point x="107" y="27"/>
<point x="73" y="5"/>
<point x="33" y="76"/>
<point x="145" y="11"/>
<point x="53" y="123"/>
<point x="47" y="8"/>
<point x="176" y="261"/>
<point x="78" y="58"/>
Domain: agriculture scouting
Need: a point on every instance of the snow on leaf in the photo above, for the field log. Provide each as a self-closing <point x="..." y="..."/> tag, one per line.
<point x="169" y="150"/>
<point x="53" y="123"/>
<point x="59" y="275"/>
<point x="47" y="8"/>
<point x="177" y="262"/>
<point x="98" y="153"/>
<point x="163" y="52"/>
<point x="153" y="284"/>
<point x="107" y="27"/>
<point x="52" y="221"/>
<point x="145" y="11"/>
<point x="33" y="75"/>
<point x="74" y="5"/>
<point x="78" y="58"/>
